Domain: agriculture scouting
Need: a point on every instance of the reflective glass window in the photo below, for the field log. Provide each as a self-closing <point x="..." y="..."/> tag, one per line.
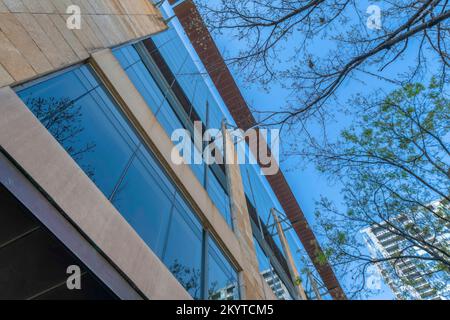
<point x="270" y="275"/>
<point x="148" y="88"/>
<point x="145" y="83"/>
<point x="145" y="200"/>
<point x="219" y="197"/>
<point x="222" y="277"/>
<point x="78" y="112"/>
<point x="183" y="250"/>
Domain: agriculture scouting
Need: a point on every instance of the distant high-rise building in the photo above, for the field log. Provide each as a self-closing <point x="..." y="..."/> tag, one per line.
<point x="408" y="278"/>
<point x="277" y="286"/>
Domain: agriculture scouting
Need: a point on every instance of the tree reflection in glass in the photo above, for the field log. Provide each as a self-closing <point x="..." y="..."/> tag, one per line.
<point x="81" y="115"/>
<point x="190" y="278"/>
<point x="62" y="118"/>
<point x="79" y="112"/>
<point x="222" y="277"/>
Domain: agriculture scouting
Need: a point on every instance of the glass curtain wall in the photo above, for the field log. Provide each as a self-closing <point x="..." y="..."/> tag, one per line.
<point x="81" y="115"/>
<point x="270" y="275"/>
<point x="159" y="96"/>
<point x="263" y="200"/>
<point x="193" y="83"/>
<point x="222" y="279"/>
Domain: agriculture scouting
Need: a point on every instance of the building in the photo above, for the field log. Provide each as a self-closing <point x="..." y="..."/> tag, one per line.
<point x="408" y="278"/>
<point x="277" y="286"/>
<point x="90" y="191"/>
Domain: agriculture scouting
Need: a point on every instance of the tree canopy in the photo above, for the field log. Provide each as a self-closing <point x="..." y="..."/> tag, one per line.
<point x="394" y="167"/>
<point x="313" y="46"/>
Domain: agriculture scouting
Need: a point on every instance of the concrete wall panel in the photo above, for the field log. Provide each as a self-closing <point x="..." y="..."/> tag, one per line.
<point x="35" y="39"/>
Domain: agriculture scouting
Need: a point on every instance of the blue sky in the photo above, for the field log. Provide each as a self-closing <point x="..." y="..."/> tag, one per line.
<point x="306" y="182"/>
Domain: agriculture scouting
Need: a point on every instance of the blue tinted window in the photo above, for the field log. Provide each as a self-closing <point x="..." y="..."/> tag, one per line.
<point x="199" y="169"/>
<point x="263" y="260"/>
<point x="81" y="116"/>
<point x="219" y="196"/>
<point x="78" y="111"/>
<point x="145" y="202"/>
<point x="270" y="275"/>
<point x="144" y="82"/>
<point x="183" y="67"/>
<point x="222" y="277"/>
<point x="148" y="88"/>
<point x="183" y="250"/>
